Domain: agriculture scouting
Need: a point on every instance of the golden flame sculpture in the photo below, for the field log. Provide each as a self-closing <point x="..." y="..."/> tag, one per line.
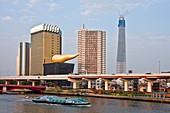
<point x="63" y="58"/>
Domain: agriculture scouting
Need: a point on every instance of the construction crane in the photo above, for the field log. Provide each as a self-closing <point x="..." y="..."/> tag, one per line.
<point x="122" y="16"/>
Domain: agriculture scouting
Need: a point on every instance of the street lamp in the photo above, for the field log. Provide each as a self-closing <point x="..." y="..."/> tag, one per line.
<point x="159" y="67"/>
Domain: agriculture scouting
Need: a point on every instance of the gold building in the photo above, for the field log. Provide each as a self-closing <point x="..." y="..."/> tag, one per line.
<point x="46" y="41"/>
<point x="92" y="51"/>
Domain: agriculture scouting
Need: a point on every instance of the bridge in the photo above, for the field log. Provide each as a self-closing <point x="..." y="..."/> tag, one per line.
<point x="123" y="76"/>
<point x="7" y="88"/>
<point x="149" y="78"/>
<point x="33" y="79"/>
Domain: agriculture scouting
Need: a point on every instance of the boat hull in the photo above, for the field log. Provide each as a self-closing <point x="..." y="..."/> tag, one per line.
<point x="62" y="103"/>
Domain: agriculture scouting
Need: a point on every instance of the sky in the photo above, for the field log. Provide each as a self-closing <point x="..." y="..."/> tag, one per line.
<point x="147" y="29"/>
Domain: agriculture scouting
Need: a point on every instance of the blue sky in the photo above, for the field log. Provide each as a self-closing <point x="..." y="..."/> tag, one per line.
<point x="147" y="29"/>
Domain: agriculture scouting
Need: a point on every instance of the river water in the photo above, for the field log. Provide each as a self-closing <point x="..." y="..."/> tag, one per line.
<point x="23" y="104"/>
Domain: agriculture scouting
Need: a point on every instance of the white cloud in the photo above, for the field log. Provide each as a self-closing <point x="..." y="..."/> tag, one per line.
<point x="161" y="39"/>
<point x="104" y="6"/>
<point x="53" y="6"/>
<point x="27" y="19"/>
<point x="6" y="18"/>
<point x="87" y="13"/>
<point x="136" y="43"/>
<point x="32" y="3"/>
<point x="15" y="1"/>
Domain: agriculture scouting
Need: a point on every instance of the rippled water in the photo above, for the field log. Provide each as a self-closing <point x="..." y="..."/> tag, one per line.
<point x="23" y="104"/>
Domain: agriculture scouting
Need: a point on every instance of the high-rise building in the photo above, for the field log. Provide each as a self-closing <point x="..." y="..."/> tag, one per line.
<point x="46" y="41"/>
<point x="23" y="59"/>
<point x="92" y="51"/>
<point x="121" y="51"/>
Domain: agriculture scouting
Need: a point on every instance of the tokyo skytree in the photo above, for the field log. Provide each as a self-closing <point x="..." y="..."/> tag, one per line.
<point x="121" y="50"/>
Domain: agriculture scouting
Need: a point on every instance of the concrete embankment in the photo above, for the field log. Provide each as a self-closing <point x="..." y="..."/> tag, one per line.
<point x="134" y="98"/>
<point x="141" y="98"/>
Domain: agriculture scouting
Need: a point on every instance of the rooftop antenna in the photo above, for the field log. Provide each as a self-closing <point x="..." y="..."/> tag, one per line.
<point x="83" y="26"/>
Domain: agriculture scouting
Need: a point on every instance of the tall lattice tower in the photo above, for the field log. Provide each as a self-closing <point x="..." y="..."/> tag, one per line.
<point x="121" y="51"/>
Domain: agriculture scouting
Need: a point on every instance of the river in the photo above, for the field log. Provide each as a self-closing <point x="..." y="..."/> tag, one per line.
<point x="10" y="103"/>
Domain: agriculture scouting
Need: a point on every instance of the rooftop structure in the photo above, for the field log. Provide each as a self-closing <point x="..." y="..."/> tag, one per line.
<point x="45" y="27"/>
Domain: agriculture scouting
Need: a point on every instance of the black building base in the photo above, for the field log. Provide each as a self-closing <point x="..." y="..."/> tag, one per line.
<point x="58" y="68"/>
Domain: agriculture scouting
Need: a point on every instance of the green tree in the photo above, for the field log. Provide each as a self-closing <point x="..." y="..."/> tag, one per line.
<point x="13" y="82"/>
<point x="2" y="82"/>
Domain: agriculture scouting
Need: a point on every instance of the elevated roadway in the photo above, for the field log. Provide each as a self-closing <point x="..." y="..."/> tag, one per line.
<point x="90" y="77"/>
<point x="48" y="77"/>
<point x="123" y="76"/>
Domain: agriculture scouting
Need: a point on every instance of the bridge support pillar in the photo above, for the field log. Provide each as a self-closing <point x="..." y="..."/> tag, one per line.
<point x="149" y="86"/>
<point x="6" y="82"/>
<point x="18" y="83"/>
<point x="4" y="89"/>
<point x="125" y="85"/>
<point x="106" y="84"/>
<point x="74" y="82"/>
<point x="33" y="83"/>
<point x="74" y="85"/>
<point x="89" y="84"/>
<point x="89" y="81"/>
